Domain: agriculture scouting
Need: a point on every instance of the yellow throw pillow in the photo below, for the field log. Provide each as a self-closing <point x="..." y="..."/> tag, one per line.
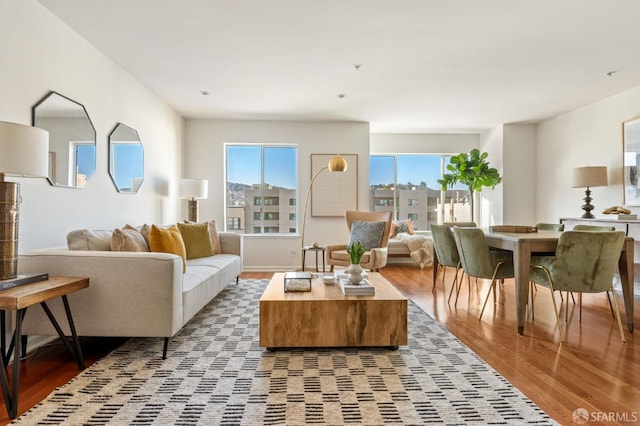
<point x="197" y="241"/>
<point x="168" y="240"/>
<point x="128" y="239"/>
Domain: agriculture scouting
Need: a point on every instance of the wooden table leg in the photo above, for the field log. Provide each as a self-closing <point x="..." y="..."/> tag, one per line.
<point x="521" y="263"/>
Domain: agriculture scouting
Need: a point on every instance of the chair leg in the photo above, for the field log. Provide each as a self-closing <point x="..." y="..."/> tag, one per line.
<point x="610" y="305"/>
<point x="457" y="283"/>
<point x="555" y="309"/>
<point x="615" y="304"/>
<point x="492" y="288"/>
<point x="531" y="288"/>
<point x="444" y="270"/>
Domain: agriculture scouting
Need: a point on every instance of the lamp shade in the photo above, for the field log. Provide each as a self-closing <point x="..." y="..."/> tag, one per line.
<point x="193" y="188"/>
<point x="24" y="150"/>
<point x="338" y="164"/>
<point x="589" y="177"/>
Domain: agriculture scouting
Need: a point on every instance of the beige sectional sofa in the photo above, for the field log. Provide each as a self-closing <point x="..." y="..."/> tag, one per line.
<point x="132" y="294"/>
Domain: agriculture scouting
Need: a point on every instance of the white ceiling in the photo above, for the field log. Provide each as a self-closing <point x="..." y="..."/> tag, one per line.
<point x="425" y="65"/>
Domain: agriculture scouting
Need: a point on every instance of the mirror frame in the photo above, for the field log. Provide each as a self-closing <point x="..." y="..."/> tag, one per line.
<point x="112" y="160"/>
<point x="631" y="161"/>
<point x="52" y="165"/>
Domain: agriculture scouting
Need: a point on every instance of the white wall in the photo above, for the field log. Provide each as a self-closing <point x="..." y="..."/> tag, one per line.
<point x="204" y="159"/>
<point x="401" y="143"/>
<point x="591" y="135"/>
<point x="490" y="208"/>
<point x="39" y="54"/>
<point x="519" y="174"/>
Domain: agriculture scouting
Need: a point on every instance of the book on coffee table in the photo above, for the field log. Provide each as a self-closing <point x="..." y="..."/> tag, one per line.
<point x="363" y="289"/>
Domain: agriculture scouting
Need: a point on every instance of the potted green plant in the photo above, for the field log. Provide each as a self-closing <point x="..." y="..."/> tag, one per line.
<point x="355" y="251"/>
<point x="472" y="170"/>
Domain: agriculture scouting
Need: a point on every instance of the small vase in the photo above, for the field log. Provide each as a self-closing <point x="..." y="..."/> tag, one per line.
<point x="355" y="273"/>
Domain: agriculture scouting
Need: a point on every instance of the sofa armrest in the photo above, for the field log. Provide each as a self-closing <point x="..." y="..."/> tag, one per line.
<point x="146" y="288"/>
<point x="231" y="243"/>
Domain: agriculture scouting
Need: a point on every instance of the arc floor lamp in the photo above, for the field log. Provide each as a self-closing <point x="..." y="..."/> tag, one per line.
<point x="336" y="164"/>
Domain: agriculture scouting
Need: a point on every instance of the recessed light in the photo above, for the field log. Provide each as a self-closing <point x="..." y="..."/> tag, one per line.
<point x="341" y="95"/>
<point x="204" y="93"/>
<point x="611" y="73"/>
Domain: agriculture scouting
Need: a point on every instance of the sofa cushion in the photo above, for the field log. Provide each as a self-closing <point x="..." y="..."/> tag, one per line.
<point x="368" y="233"/>
<point x="85" y="239"/>
<point x="128" y="239"/>
<point x="401" y="226"/>
<point x="215" y="238"/>
<point x="197" y="240"/>
<point x="168" y="240"/>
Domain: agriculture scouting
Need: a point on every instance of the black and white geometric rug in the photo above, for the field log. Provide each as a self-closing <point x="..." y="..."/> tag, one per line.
<point x="216" y="374"/>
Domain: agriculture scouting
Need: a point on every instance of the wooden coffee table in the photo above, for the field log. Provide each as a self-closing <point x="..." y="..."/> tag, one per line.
<point x="324" y="317"/>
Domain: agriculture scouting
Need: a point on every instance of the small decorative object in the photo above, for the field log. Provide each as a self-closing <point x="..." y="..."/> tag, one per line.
<point x="354" y="270"/>
<point x="329" y="279"/>
<point x="315" y="244"/>
<point x="518" y="229"/>
<point x="297" y="281"/>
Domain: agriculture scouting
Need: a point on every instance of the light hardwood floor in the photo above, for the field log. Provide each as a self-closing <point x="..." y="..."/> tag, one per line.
<point x="593" y="370"/>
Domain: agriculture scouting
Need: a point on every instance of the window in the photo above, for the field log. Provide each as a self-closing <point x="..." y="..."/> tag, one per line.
<point x="257" y="177"/>
<point x="233" y="223"/>
<point x="407" y="186"/>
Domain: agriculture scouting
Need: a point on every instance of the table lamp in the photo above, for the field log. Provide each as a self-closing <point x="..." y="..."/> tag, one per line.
<point x="24" y="152"/>
<point x="589" y="177"/>
<point x="336" y="164"/>
<point x="193" y="190"/>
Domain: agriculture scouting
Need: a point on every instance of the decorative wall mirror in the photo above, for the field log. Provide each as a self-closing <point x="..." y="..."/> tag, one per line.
<point x="631" y="160"/>
<point x="126" y="159"/>
<point x="72" y="139"/>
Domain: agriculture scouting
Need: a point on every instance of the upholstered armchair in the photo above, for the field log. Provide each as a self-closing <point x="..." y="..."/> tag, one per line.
<point x="374" y="258"/>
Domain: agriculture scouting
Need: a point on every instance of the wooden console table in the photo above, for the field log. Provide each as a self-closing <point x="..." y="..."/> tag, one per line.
<point x="19" y="299"/>
<point x="631" y="228"/>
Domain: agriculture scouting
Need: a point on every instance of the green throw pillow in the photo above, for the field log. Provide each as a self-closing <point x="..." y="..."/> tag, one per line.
<point x="197" y="240"/>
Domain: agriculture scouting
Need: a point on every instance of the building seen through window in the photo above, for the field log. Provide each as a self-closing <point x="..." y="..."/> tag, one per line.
<point x="407" y="186"/>
<point x="261" y="188"/>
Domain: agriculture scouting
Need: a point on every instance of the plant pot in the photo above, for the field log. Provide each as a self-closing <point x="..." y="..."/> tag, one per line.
<point x="355" y="273"/>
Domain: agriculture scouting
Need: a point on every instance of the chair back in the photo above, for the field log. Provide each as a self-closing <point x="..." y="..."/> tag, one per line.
<point x="586" y="261"/>
<point x="594" y="228"/>
<point x="550" y="227"/>
<point x="475" y="256"/>
<point x="445" y="245"/>
<point x="356" y="215"/>
<point x="461" y="224"/>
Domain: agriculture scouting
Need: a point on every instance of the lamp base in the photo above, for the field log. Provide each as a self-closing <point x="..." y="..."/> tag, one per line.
<point x="9" y="196"/>
<point x="587" y="207"/>
<point x="193" y="210"/>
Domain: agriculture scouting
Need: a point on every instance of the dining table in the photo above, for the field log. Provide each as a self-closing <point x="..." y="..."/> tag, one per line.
<point x="524" y="244"/>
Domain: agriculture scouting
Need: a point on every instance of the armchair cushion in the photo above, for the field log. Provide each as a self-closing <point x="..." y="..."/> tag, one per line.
<point x="368" y="233"/>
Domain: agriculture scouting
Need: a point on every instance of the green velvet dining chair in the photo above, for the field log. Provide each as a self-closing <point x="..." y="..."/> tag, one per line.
<point x="550" y="227"/>
<point x="447" y="255"/>
<point x="591" y="228"/>
<point x="478" y="260"/>
<point x="585" y="262"/>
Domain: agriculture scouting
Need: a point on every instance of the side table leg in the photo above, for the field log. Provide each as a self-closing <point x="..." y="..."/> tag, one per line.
<point x="77" y="355"/>
<point x="11" y="399"/>
<point x="304" y="254"/>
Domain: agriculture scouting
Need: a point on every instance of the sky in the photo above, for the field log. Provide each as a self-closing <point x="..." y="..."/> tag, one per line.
<point x="243" y="166"/>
